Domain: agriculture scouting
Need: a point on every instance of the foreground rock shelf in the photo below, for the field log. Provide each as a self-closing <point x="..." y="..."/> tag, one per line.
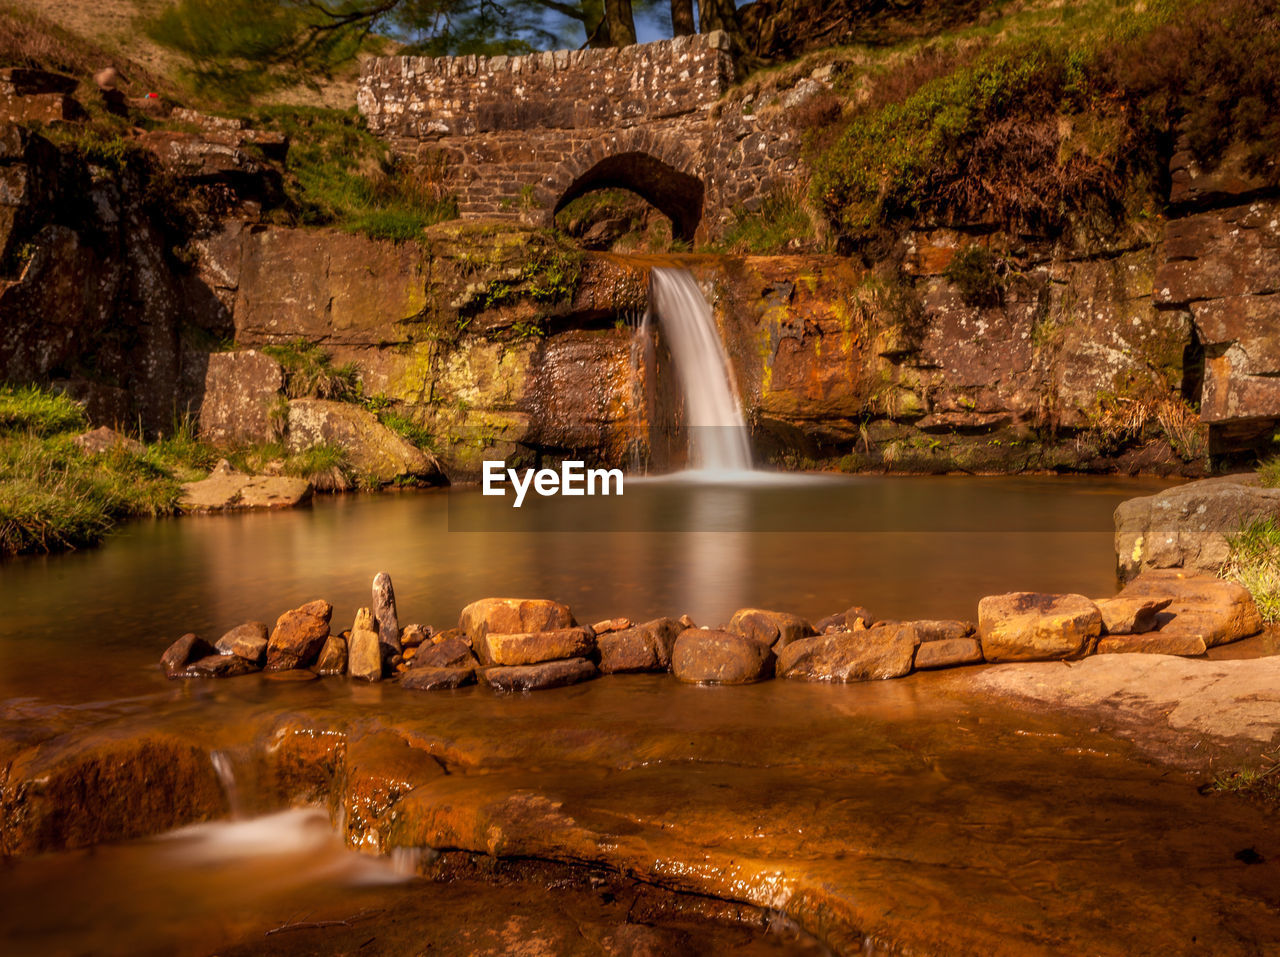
<point x="891" y="816"/>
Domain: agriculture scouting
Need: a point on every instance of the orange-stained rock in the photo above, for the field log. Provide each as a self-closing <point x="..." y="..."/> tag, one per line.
<point x="1034" y="626"/>
<point x="450" y="653"/>
<point x="333" y="656"/>
<point x="646" y="647"/>
<point x="182" y="652"/>
<point x="534" y="647"/>
<point x="886" y="652"/>
<point x="720" y="657"/>
<point x="929" y="630"/>
<point x="510" y="616"/>
<point x="435" y="679"/>
<point x="298" y="636"/>
<point x="773" y="628"/>
<point x="845" y="620"/>
<point x="948" y="653"/>
<point x="1200" y="606"/>
<point x="549" y="674"/>
<point x="1153" y="643"/>
<point x="1130" y="616"/>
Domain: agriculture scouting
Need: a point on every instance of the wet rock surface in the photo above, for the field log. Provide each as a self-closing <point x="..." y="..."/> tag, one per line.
<point x="1032" y="626"/>
<point x="1199" y="606"/>
<point x="298" y="636"/>
<point x="863" y="655"/>
<point x="774" y="628"/>
<point x="645" y="647"/>
<point x="708" y="656"/>
<point x="510" y="616"/>
<point x="550" y="674"/>
<point x="535" y="647"/>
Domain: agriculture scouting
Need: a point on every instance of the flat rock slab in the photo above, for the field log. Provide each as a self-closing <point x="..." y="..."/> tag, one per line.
<point x="860" y="655"/>
<point x="511" y="616"/>
<point x="1199" y="606"/>
<point x="1131" y="616"/>
<point x="948" y="653"/>
<point x="1036" y="626"/>
<point x="1226" y="699"/>
<point x="1153" y="643"/>
<point x="436" y="679"/>
<point x="551" y="674"/>
<point x="720" y="657"/>
<point x="534" y="647"/>
<point x="227" y="489"/>
<point x="218" y="666"/>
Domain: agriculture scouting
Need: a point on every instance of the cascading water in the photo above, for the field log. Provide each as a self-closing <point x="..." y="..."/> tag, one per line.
<point x="717" y="431"/>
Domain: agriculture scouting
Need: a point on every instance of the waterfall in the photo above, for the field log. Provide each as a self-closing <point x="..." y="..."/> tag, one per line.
<point x="227" y="778"/>
<point x="713" y="416"/>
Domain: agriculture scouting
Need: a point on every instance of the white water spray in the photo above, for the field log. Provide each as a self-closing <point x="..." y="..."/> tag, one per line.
<point x="717" y="431"/>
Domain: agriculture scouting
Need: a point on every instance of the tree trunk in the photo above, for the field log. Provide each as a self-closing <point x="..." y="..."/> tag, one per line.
<point x="719" y="15"/>
<point x="621" y="23"/>
<point x="682" y="24"/>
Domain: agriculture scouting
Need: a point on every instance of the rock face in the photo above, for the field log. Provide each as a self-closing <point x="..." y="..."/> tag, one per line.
<point x="774" y="628"/>
<point x="534" y="647"/>
<point x="646" y="647"/>
<point x="1199" y="607"/>
<point x="298" y="636"/>
<point x="240" y="389"/>
<point x="226" y="488"/>
<point x="373" y="449"/>
<point x="720" y="657"/>
<point x="550" y="674"/>
<point x="1186" y="527"/>
<point x="511" y="616"/>
<point x="849" y="656"/>
<point x="1033" y="626"/>
<point x="384" y="613"/>
<point x="186" y="649"/>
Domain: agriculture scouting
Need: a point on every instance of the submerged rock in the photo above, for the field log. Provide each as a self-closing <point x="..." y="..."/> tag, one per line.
<point x="538" y="646"/>
<point x="298" y="636"/>
<point x="248" y="640"/>
<point x="384" y="613"/>
<point x="720" y="657"/>
<point x="646" y="647"/>
<point x="774" y="628"/>
<point x="333" y="656"/>
<point x="550" y="674"/>
<point x="510" y="616"/>
<point x="436" y="679"/>
<point x="947" y="653"/>
<point x="871" y="655"/>
<point x="1034" y="626"/>
<point x="218" y="666"/>
<point x="182" y="652"/>
<point x="1200" y="606"/>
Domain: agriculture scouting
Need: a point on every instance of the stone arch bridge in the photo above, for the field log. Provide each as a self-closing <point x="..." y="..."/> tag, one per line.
<point x="519" y="137"/>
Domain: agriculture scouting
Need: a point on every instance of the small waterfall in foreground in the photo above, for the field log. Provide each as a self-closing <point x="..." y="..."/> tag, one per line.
<point x="717" y="431"/>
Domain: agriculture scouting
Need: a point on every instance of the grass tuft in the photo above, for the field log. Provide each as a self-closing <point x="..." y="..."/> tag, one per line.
<point x="1254" y="562"/>
<point x="34" y="410"/>
<point x="310" y="373"/>
<point x="780" y="224"/>
<point x="1269" y="472"/>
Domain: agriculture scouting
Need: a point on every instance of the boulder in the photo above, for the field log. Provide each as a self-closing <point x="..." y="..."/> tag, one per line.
<point x="103" y="439"/>
<point x="932" y="630"/>
<point x="384" y="613"/>
<point x="218" y="666"/>
<point x="411" y="636"/>
<point x="249" y="641"/>
<point x="1186" y="527"/>
<point x="227" y="488"/>
<point x="372" y="448"/>
<point x="1130" y="616"/>
<point x="550" y="674"/>
<point x="845" y="620"/>
<point x="436" y="679"/>
<point x="1034" y="626"/>
<point x="333" y="656"/>
<point x="450" y="653"/>
<point x="533" y="647"/>
<point x="298" y="636"/>
<point x="774" y="628"/>
<point x="510" y="616"/>
<point x="240" y="390"/>
<point x="182" y="652"/>
<point x="948" y="653"/>
<point x="720" y="657"/>
<point x="646" y="647"/>
<point x="849" y="656"/>
<point x="1202" y="606"/>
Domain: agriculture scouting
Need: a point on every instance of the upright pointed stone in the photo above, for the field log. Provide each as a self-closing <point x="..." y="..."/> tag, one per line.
<point x="384" y="610"/>
<point x="364" y="650"/>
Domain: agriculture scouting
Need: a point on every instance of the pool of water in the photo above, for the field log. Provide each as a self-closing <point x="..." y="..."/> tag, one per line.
<point x="91" y="625"/>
